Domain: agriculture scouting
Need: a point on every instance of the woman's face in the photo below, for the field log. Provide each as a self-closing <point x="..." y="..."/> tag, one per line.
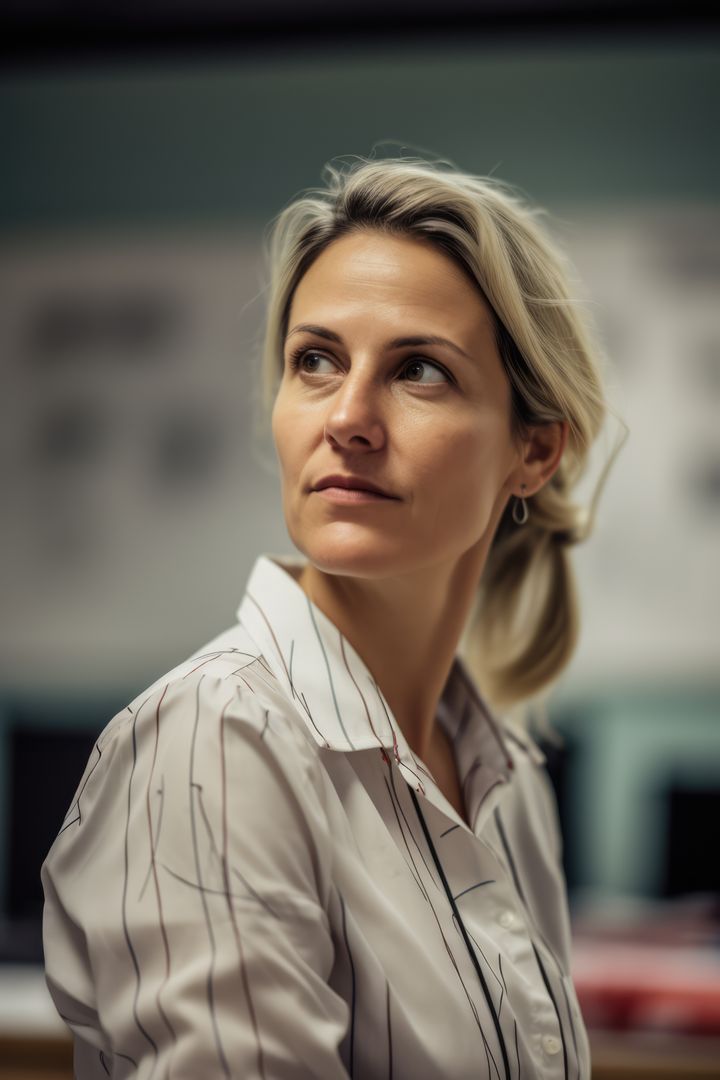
<point x="427" y="422"/>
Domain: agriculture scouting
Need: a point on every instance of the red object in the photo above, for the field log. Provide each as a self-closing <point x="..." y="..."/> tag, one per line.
<point x="656" y="987"/>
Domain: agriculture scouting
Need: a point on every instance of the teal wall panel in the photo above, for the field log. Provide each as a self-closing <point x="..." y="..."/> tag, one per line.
<point x="211" y="141"/>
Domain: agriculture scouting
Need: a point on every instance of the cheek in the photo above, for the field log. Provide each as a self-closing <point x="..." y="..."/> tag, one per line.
<point x="449" y="456"/>
<point x="464" y="470"/>
<point x="285" y="436"/>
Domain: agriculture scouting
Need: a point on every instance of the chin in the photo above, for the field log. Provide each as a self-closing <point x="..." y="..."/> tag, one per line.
<point x="350" y="553"/>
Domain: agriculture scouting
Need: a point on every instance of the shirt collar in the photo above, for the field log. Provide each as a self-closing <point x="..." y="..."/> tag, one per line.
<point x="337" y="696"/>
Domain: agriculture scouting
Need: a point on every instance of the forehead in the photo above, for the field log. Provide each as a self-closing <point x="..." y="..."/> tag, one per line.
<point x="394" y="276"/>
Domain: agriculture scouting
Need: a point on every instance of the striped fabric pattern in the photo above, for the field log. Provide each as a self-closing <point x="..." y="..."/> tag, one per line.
<point x="257" y="878"/>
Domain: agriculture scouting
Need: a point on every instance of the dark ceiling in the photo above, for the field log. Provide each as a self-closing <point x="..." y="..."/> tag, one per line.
<point x="53" y="29"/>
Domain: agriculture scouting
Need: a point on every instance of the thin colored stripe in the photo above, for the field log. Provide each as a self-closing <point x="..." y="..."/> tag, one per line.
<point x="329" y="675"/>
<point x="228" y="894"/>
<point x="196" y="790"/>
<point x="357" y="687"/>
<point x="153" y="866"/>
<point x="126" y="930"/>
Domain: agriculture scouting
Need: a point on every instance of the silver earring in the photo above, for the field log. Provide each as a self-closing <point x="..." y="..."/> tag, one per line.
<point x="520" y="510"/>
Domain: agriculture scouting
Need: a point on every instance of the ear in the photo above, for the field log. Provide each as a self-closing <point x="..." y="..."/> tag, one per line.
<point x="542" y="451"/>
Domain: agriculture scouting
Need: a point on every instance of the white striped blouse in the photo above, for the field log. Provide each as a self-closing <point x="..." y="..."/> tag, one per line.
<point x="257" y="878"/>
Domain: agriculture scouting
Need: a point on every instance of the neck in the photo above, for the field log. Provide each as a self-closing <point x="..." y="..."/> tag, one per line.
<point x="406" y="629"/>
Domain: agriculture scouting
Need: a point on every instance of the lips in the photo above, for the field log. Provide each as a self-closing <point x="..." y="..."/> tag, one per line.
<point x="356" y="483"/>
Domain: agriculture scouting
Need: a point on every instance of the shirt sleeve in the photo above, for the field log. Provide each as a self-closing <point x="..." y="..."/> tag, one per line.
<point x="185" y="924"/>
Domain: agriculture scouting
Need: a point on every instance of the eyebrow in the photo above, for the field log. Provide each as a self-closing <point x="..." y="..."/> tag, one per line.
<point x="395" y="343"/>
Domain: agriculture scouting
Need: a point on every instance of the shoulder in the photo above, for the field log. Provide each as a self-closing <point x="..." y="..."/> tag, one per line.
<point x="197" y="782"/>
<point x="225" y="683"/>
<point x="208" y="717"/>
<point x="213" y="716"/>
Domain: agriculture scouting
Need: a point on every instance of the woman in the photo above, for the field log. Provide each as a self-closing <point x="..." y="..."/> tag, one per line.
<point x="312" y="850"/>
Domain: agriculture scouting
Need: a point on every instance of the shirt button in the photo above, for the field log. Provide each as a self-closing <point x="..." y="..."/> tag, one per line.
<point x="507" y="919"/>
<point x="551" y="1044"/>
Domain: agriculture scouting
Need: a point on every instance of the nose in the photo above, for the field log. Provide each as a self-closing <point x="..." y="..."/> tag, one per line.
<point x="354" y="418"/>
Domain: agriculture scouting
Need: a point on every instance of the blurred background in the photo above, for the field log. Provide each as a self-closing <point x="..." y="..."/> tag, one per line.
<point x="145" y="148"/>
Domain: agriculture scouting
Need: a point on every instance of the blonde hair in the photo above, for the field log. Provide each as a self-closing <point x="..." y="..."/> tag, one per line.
<point x="524" y="624"/>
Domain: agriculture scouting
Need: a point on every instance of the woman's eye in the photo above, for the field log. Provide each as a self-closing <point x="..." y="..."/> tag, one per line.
<point x="414" y="366"/>
<point x="308" y="361"/>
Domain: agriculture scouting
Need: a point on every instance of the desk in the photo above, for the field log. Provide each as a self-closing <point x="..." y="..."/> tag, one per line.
<point x="29" y="1057"/>
<point x="34" y="1042"/>
<point x="653" y="1056"/>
